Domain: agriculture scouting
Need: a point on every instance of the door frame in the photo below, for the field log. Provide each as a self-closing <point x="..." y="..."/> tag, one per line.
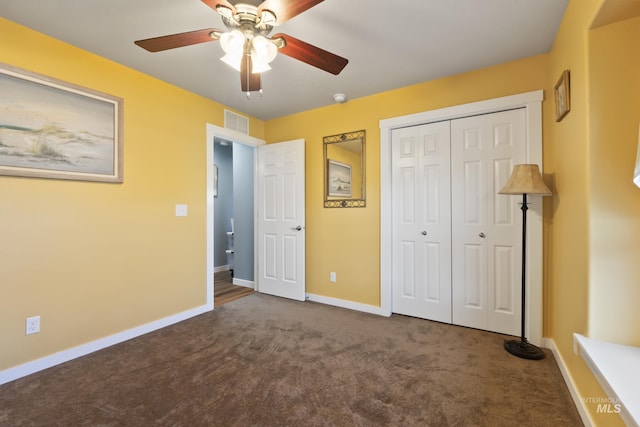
<point x="532" y="103"/>
<point x="214" y="131"/>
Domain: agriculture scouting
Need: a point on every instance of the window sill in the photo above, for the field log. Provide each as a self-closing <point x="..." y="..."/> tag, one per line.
<point x="617" y="368"/>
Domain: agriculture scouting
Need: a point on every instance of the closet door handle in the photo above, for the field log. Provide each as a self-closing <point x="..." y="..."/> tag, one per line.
<point x="424" y="232"/>
<point x="482" y="235"/>
<point x="298" y="228"/>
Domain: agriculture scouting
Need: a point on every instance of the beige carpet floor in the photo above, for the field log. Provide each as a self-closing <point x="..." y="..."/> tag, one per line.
<point x="266" y="361"/>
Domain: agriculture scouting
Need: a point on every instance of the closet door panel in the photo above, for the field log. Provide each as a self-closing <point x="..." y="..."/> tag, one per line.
<point x="469" y="222"/>
<point x="422" y="222"/>
<point x="509" y="142"/>
<point x="484" y="150"/>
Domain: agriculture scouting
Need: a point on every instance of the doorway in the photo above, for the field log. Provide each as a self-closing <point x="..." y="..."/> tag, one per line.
<point x="233" y="210"/>
<point x="282" y="192"/>
<point x="245" y="145"/>
<point x="233" y="258"/>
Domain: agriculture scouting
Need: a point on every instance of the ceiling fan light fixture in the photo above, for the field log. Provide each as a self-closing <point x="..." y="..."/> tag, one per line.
<point x="258" y="65"/>
<point x="232" y="42"/>
<point x="232" y="60"/>
<point x="248" y="47"/>
<point x="233" y="45"/>
<point x="262" y="53"/>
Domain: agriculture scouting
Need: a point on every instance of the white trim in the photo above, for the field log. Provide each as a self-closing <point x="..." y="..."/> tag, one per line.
<point x="356" y="306"/>
<point x="571" y="385"/>
<point x="43" y="363"/>
<point x="464" y="110"/>
<point x="245" y="283"/>
<point x="532" y="101"/>
<point x="534" y="227"/>
<point x="231" y="135"/>
<point x="615" y="368"/>
<point x="214" y="131"/>
<point x="220" y="268"/>
<point x="209" y="218"/>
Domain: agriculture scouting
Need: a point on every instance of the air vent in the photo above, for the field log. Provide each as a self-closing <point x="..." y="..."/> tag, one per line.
<point x="236" y="122"/>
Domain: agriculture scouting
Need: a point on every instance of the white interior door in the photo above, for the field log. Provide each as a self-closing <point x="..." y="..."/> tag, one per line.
<point x="281" y="219"/>
<point x="422" y="221"/>
<point x="486" y="247"/>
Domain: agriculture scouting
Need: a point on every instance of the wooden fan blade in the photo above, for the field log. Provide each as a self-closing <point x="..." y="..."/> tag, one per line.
<point x="157" y="44"/>
<point x="312" y="55"/>
<point x="286" y="9"/>
<point x="249" y="81"/>
<point x="213" y="4"/>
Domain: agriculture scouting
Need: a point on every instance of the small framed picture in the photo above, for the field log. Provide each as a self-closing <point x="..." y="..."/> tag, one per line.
<point x="563" y="96"/>
<point x="338" y="179"/>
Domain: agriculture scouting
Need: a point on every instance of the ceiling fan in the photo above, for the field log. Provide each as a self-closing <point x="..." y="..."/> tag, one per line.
<point x="247" y="45"/>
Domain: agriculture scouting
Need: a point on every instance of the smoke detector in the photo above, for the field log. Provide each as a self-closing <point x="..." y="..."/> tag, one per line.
<point x="340" y="98"/>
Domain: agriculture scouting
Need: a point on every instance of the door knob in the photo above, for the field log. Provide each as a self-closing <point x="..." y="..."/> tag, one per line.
<point x="482" y="235"/>
<point x="298" y="228"/>
<point x="424" y="232"/>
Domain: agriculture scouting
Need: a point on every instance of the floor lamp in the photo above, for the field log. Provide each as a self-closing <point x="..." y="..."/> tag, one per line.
<point x="525" y="179"/>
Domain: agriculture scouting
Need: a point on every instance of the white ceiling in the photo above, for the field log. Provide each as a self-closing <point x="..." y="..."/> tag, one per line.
<point x="388" y="44"/>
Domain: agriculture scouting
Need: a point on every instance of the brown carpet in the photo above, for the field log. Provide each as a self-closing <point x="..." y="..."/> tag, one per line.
<point x="266" y="361"/>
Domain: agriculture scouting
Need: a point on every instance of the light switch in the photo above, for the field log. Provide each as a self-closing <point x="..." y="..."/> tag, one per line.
<point x="181" y="210"/>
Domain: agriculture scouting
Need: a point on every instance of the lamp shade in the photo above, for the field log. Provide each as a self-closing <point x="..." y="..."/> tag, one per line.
<point x="525" y="179"/>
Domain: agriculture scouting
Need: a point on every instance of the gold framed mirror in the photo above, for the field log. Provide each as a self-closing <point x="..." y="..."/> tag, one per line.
<point x="344" y="170"/>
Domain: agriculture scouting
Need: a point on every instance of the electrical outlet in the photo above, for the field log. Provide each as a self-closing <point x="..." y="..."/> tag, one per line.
<point x="181" y="210"/>
<point x="33" y="325"/>
<point x="332" y="276"/>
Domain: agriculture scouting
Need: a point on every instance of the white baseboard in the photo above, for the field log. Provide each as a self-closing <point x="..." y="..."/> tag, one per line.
<point x="580" y="404"/>
<point x="245" y="283"/>
<point x="372" y="309"/>
<point x="220" y="268"/>
<point x="41" y="364"/>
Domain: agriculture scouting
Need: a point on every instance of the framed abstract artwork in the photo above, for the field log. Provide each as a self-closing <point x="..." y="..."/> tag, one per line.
<point x="52" y="129"/>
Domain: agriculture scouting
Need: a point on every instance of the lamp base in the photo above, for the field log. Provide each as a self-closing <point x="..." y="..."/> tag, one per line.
<point x="523" y="349"/>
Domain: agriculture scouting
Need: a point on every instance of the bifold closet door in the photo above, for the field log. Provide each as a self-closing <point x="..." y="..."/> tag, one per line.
<point x="422" y="221"/>
<point x="486" y="226"/>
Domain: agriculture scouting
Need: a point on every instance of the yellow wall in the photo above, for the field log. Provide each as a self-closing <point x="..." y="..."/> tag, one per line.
<point x="94" y="259"/>
<point x="566" y="156"/>
<point x="591" y="271"/>
<point x="614" y="118"/>
<point x="347" y="241"/>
